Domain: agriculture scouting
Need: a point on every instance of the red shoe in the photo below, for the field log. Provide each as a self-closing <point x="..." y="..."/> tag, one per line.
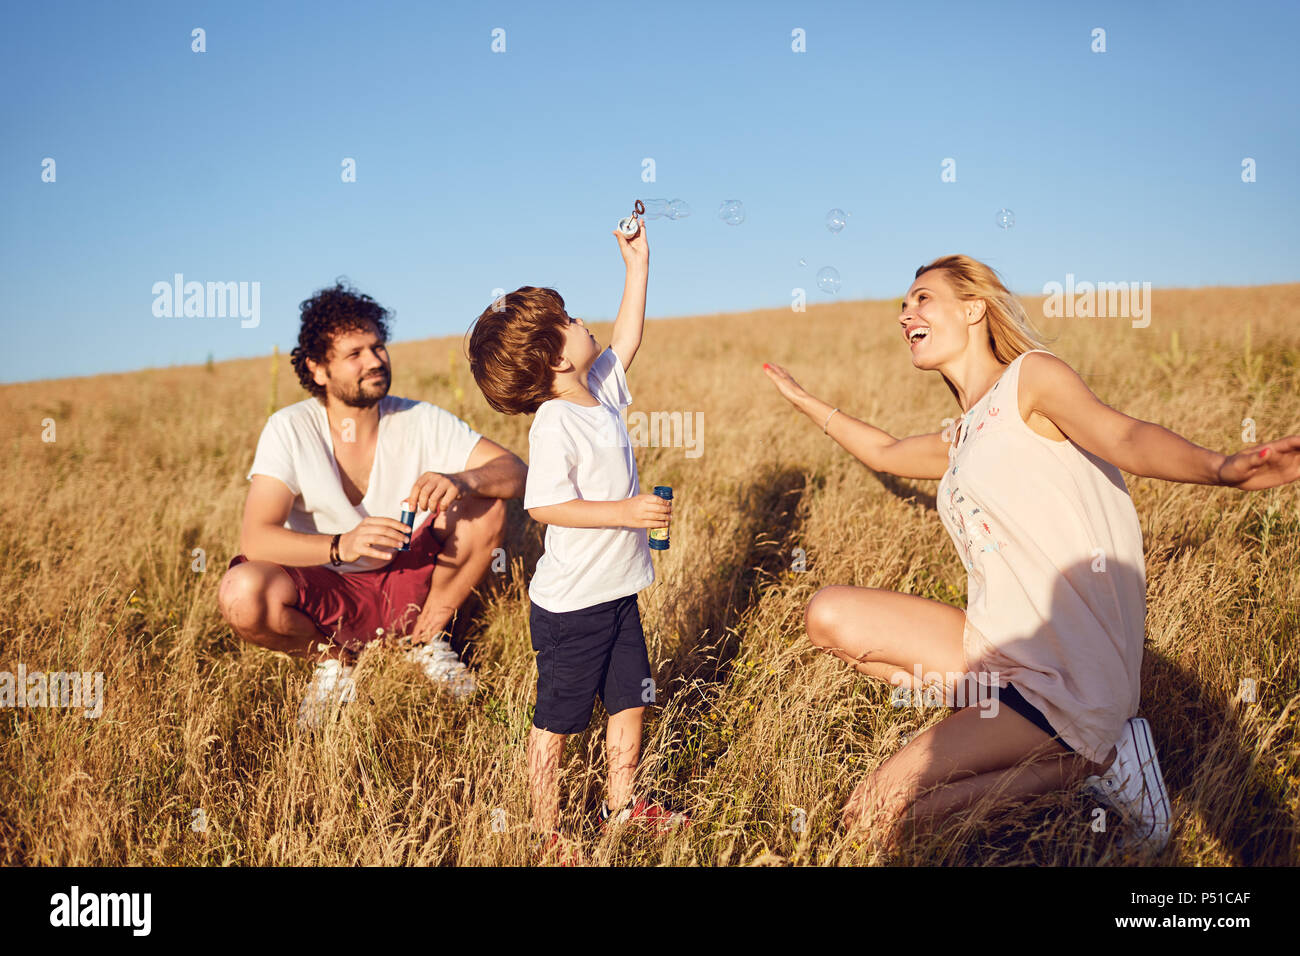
<point x="554" y="848"/>
<point x="645" y="815"/>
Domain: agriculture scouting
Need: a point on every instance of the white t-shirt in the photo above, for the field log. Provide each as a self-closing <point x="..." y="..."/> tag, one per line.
<point x="414" y="437"/>
<point x="577" y="452"/>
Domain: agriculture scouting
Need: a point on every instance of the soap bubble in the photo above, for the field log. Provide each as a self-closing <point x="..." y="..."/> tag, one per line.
<point x="836" y="220"/>
<point x="1006" y="218"/>
<point x="666" y="209"/>
<point x="732" y="212"/>
<point x="828" y="279"/>
<point x="802" y="263"/>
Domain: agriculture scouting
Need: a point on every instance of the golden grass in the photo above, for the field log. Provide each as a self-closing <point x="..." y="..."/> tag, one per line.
<point x="99" y="528"/>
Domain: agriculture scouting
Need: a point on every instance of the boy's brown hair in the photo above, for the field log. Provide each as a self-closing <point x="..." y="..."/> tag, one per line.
<point x="513" y="345"/>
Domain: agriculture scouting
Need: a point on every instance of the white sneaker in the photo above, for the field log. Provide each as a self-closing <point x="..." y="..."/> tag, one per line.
<point x="443" y="667"/>
<point x="331" y="687"/>
<point x="1134" y="786"/>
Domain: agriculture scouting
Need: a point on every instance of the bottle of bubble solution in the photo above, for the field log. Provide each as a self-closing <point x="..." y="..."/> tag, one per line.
<point x="659" y="536"/>
<point x="408" y="519"/>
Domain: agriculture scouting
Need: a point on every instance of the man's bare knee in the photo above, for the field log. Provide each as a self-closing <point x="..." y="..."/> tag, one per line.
<point x="241" y="597"/>
<point x="490" y="523"/>
<point x="494" y="521"/>
<point x="484" y="529"/>
<point x="251" y="594"/>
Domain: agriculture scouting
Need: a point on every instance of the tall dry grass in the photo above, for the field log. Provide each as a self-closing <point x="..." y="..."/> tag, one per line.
<point x="100" y="527"/>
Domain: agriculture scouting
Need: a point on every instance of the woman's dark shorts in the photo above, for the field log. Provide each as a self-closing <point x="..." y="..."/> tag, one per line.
<point x="1012" y="698"/>
<point x="596" y="651"/>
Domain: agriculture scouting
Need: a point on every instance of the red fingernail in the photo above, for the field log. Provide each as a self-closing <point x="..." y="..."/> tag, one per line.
<point x="1263" y="452"/>
<point x="765" y="366"/>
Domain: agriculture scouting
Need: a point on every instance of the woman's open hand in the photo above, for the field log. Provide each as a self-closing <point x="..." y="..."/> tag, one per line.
<point x="786" y="385"/>
<point x="1267" y="466"/>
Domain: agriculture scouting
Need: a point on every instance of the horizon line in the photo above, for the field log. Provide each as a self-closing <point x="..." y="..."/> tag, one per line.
<point x="6" y="382"/>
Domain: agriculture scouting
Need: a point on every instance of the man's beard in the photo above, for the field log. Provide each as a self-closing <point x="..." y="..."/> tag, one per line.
<point x="364" y="394"/>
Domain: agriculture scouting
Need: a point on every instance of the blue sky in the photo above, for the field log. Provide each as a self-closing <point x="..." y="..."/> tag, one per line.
<point x="479" y="170"/>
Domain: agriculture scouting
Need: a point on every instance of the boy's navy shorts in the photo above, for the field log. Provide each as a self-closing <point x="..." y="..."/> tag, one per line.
<point x="596" y="651"/>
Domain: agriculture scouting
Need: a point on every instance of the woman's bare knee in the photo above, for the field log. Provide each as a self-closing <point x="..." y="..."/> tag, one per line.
<point x="823" y="618"/>
<point x="878" y="803"/>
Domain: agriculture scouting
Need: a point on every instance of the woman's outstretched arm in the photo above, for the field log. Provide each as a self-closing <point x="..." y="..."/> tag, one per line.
<point x="1053" y="389"/>
<point x="920" y="456"/>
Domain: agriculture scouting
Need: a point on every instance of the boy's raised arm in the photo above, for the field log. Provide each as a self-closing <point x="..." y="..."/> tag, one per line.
<point x="631" y="311"/>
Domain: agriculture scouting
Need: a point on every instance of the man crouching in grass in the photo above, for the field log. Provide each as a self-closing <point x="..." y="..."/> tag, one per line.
<point x="326" y="564"/>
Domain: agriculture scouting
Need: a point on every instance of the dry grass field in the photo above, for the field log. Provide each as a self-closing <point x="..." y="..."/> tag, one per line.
<point x="99" y="529"/>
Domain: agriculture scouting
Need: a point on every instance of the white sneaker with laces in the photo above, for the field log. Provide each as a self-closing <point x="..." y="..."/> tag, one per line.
<point x="1134" y="786"/>
<point x="443" y="667"/>
<point x="331" y="686"/>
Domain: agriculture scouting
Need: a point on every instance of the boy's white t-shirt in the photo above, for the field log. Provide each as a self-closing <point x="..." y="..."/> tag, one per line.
<point x="578" y="452"/>
<point x="414" y="437"/>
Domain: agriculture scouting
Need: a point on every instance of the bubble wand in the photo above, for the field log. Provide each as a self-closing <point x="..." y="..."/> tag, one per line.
<point x="629" y="226"/>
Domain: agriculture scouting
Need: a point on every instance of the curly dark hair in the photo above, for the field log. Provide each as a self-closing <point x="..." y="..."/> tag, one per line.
<point x="325" y="315"/>
<point x="513" y="345"/>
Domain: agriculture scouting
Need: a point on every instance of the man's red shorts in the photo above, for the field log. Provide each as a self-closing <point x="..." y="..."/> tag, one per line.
<point x="349" y="608"/>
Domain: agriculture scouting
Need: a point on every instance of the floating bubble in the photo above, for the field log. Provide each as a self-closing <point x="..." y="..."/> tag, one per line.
<point x="1006" y="218"/>
<point x="802" y="263"/>
<point x="666" y="209"/>
<point x="732" y="212"/>
<point x="828" y="279"/>
<point x="836" y="220"/>
<point x="655" y="208"/>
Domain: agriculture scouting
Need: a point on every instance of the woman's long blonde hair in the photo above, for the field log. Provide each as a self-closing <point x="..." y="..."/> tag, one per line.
<point x="1009" y="329"/>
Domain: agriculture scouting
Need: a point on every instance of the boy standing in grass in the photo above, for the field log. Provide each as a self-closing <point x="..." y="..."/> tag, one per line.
<point x="528" y="355"/>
